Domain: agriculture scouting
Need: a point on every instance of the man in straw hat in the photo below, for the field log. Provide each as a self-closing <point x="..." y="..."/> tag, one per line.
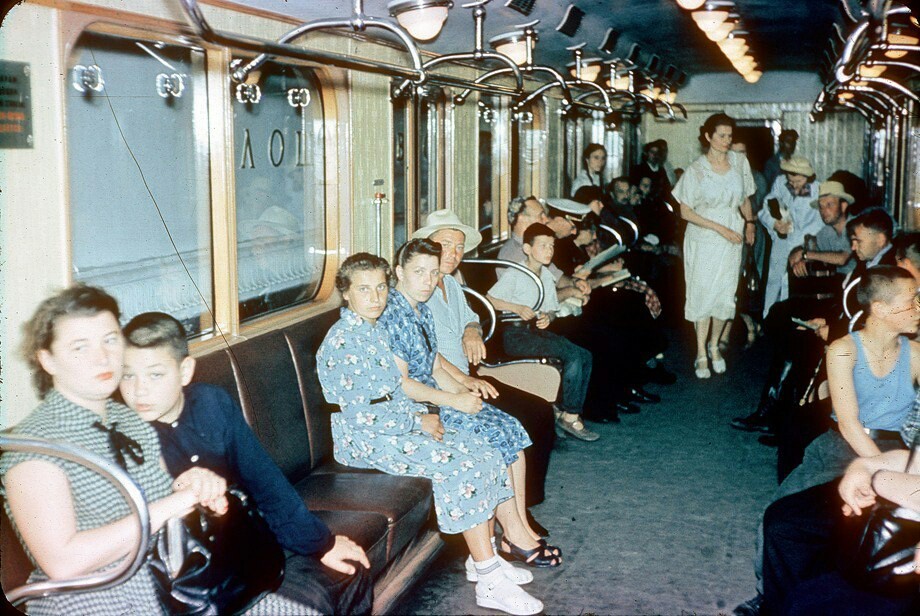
<point x="460" y="342"/>
<point x="788" y="218"/>
<point x="832" y="245"/>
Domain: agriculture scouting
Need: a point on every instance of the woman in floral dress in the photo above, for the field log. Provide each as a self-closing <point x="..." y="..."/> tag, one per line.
<point x="380" y="427"/>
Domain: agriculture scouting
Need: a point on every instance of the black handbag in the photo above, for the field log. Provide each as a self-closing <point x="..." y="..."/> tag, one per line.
<point x="205" y="564"/>
<point x="878" y="552"/>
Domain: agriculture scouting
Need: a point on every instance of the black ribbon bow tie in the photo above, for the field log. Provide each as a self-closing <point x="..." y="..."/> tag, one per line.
<point x="121" y="444"/>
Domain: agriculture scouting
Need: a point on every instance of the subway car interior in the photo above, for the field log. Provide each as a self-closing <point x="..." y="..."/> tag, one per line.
<point x="465" y="307"/>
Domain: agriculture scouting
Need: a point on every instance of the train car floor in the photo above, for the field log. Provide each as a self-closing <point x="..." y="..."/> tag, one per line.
<point x="657" y="517"/>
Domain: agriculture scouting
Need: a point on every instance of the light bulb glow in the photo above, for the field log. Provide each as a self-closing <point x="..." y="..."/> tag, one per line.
<point x="872" y="71"/>
<point x="753" y="76"/>
<point x="690" y="5"/>
<point x="516" y="50"/>
<point x="897" y="38"/>
<point x="707" y="21"/>
<point x="721" y="33"/>
<point x="620" y="83"/>
<point x="846" y="95"/>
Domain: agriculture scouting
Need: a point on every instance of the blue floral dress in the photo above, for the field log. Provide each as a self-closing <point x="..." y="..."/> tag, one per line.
<point x="356" y="370"/>
<point x="413" y="339"/>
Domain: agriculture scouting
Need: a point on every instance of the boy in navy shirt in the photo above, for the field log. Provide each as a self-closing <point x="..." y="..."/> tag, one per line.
<point x="201" y="425"/>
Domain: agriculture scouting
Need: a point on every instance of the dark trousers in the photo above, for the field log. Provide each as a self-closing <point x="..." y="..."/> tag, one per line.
<point x="800" y="556"/>
<point x="536" y="415"/>
<point x="308" y="581"/>
<point x="576" y="361"/>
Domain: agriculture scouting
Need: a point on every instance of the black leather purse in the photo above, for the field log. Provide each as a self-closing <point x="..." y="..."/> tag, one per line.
<point x="205" y="564"/>
<point x="878" y="552"/>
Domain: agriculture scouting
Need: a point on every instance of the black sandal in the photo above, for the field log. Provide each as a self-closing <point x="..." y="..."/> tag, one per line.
<point x="537" y="557"/>
<point x="550" y="549"/>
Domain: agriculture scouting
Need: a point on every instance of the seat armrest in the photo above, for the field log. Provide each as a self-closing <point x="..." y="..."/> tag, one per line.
<point x="540" y="376"/>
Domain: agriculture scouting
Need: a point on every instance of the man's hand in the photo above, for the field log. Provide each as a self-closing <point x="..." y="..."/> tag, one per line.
<point x="432" y="425"/>
<point x="478" y="386"/>
<point x="343" y="550"/>
<point x="523" y="311"/>
<point x="856" y="489"/>
<point x="544" y="319"/>
<point x="583" y="287"/>
<point x="822" y="330"/>
<point x="208" y="487"/>
<point x="797" y="263"/>
<point x="580" y="273"/>
<point x="470" y="403"/>
<point x="473" y="347"/>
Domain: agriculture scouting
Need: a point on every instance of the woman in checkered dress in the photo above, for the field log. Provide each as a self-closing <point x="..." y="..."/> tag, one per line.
<point x="71" y="521"/>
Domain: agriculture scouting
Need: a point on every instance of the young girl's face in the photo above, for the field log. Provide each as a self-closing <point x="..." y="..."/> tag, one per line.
<point x="597" y="160"/>
<point x="85" y="357"/>
<point x="367" y="293"/>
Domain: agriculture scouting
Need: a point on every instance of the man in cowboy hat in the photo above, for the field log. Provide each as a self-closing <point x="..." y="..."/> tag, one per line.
<point x="788" y="218"/>
<point x="832" y="245"/>
<point x="460" y="342"/>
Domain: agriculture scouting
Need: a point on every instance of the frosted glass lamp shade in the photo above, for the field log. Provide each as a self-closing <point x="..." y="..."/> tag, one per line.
<point x="690" y="5"/>
<point x="707" y="21"/>
<point x="422" y="19"/>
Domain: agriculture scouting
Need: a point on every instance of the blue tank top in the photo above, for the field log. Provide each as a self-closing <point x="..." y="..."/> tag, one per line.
<point x="883" y="402"/>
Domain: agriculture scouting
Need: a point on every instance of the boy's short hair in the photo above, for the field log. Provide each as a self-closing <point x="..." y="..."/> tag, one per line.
<point x="536" y="230"/>
<point x="359" y="262"/>
<point x="878" y="285"/>
<point x="77" y="301"/>
<point x="907" y="246"/>
<point x="874" y="218"/>
<point x="418" y="246"/>
<point x="157" y="329"/>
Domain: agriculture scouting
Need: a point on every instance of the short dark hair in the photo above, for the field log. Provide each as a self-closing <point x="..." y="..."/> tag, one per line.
<point x="536" y="230"/>
<point x="622" y="178"/>
<point x="789" y="133"/>
<point x="413" y="248"/>
<point x="157" y="329"/>
<point x="589" y="222"/>
<point x="587" y="194"/>
<point x="516" y="206"/>
<point x="77" y="301"/>
<point x="907" y="246"/>
<point x="359" y="262"/>
<point x="874" y="218"/>
<point x="712" y="122"/>
<point x="877" y="284"/>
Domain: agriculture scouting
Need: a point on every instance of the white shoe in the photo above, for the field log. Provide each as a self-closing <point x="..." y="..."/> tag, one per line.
<point x="718" y="365"/>
<point x="497" y="592"/>
<point x="701" y="368"/>
<point x="516" y="574"/>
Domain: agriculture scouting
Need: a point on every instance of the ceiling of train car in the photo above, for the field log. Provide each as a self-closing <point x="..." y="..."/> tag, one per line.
<point x="784" y="34"/>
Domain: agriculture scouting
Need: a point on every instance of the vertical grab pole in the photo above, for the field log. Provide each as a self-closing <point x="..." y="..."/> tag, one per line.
<point x="379" y="200"/>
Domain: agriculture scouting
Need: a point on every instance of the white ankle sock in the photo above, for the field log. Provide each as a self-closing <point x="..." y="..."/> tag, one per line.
<point x="488" y="568"/>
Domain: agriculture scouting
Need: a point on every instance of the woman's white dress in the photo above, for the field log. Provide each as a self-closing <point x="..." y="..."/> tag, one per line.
<point x="586" y="178"/>
<point x="712" y="263"/>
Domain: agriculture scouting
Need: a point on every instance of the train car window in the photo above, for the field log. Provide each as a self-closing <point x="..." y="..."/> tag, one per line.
<point x="280" y="213"/>
<point x="488" y="116"/>
<point x="532" y="137"/>
<point x="401" y="158"/>
<point x="430" y="116"/>
<point x="138" y="162"/>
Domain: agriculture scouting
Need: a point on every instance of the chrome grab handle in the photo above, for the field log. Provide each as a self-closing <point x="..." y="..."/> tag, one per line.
<point x="132" y="494"/>
<point x="502" y="263"/>
<point x="489" y="308"/>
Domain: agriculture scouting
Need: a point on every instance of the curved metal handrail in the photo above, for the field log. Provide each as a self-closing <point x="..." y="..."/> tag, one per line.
<point x="632" y="224"/>
<point x="846" y="294"/>
<point x="132" y="494"/>
<point x="272" y="48"/>
<point x="503" y="263"/>
<point x="893" y="85"/>
<point x="493" y="317"/>
<point x="472" y="55"/>
<point x="613" y="232"/>
<point x="853" y="320"/>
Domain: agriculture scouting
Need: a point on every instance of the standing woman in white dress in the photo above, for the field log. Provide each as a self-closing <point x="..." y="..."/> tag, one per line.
<point x="714" y="194"/>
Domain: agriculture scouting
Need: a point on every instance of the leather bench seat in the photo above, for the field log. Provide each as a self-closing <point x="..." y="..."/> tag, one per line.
<point x="369" y="530"/>
<point x="405" y="501"/>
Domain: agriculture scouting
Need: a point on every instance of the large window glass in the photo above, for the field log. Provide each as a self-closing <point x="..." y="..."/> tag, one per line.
<point x="532" y="136"/>
<point x="278" y="144"/>
<point x="401" y="156"/>
<point x="429" y="134"/>
<point x="137" y="135"/>
<point x="488" y="162"/>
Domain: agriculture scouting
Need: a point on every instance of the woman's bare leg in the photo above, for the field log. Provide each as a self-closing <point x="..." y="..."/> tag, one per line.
<point x="717" y="326"/>
<point x="702" y="333"/>
<point x="517" y="472"/>
<point x="478" y="541"/>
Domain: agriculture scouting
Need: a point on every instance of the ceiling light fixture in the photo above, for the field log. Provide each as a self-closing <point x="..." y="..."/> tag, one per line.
<point x="422" y="19"/>
<point x="707" y="21"/>
<point x="619" y="83"/>
<point x="846" y="95"/>
<point x="871" y="71"/>
<point x="721" y="33"/>
<point x="512" y="44"/>
<point x="898" y="36"/>
<point x="690" y="5"/>
<point x="590" y="69"/>
<point x="753" y="76"/>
